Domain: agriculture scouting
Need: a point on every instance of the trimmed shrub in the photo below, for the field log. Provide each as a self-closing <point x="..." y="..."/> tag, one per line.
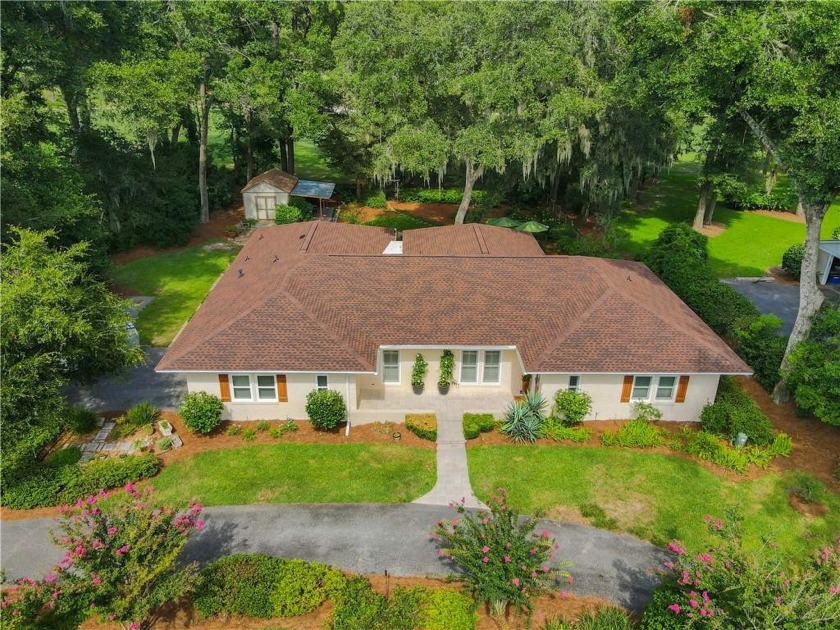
<point x="302" y="586"/>
<point x="325" y="408"/>
<point x="82" y="420"/>
<point x="142" y="413"/>
<point x="571" y="407"/>
<point x="284" y="214"/>
<point x="635" y="434"/>
<point x="814" y="369"/>
<point x="761" y="345"/>
<point x="471" y="430"/>
<point x="239" y="585"/>
<point x="360" y="608"/>
<point x="792" y="259"/>
<point x="735" y="412"/>
<point x="423" y="425"/>
<point x="440" y="195"/>
<point x="445" y="609"/>
<point x="375" y="199"/>
<point x="201" y="412"/>
<point x="477" y="423"/>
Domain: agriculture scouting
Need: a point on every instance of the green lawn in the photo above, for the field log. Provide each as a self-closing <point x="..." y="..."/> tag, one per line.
<point x="750" y="244"/>
<point x="657" y="497"/>
<point x="310" y="164"/>
<point x="179" y="282"/>
<point x="300" y="473"/>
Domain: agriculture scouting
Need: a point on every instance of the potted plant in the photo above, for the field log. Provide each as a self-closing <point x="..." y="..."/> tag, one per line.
<point x="447" y="368"/>
<point x="418" y="373"/>
<point x="165" y="428"/>
<point x="526" y="383"/>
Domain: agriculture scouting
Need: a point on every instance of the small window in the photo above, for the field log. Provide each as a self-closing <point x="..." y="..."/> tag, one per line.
<point x="321" y="381"/>
<point x="266" y="387"/>
<point x="574" y="383"/>
<point x="641" y="387"/>
<point x="241" y="386"/>
<point x="390" y="366"/>
<point x="492" y="362"/>
<point x="665" y="387"/>
<point x="469" y="366"/>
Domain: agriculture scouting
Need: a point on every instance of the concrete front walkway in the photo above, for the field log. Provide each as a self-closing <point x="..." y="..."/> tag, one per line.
<point x="369" y="539"/>
<point x="453" y="476"/>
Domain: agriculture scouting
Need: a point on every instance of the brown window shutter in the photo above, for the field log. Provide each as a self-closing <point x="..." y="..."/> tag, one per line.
<point x="282" y="391"/>
<point x="627" y="388"/>
<point x="224" y="387"/>
<point x="682" y="388"/>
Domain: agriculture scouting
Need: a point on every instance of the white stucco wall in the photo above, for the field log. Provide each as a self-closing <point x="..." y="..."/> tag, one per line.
<point x="249" y="199"/>
<point x="605" y="390"/>
<point x="298" y="385"/>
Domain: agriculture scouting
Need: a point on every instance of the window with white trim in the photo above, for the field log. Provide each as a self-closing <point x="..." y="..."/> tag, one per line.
<point x="492" y="366"/>
<point x="665" y="388"/>
<point x="469" y="366"/>
<point x="574" y="383"/>
<point x="656" y="388"/>
<point x="253" y="387"/>
<point x="390" y="366"/>
<point x="641" y="387"/>
<point x="321" y="382"/>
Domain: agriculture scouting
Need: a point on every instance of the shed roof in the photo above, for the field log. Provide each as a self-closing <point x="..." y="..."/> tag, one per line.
<point x="275" y="177"/>
<point x="309" y="188"/>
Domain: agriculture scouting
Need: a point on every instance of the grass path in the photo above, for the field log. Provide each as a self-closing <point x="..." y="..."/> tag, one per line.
<point x="656" y="497"/>
<point x="179" y="282"/>
<point x="300" y="473"/>
<point x="749" y="245"/>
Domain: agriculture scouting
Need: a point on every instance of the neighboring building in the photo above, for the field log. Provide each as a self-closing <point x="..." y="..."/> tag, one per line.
<point x="314" y="305"/>
<point x="267" y="190"/>
<point x="828" y="263"/>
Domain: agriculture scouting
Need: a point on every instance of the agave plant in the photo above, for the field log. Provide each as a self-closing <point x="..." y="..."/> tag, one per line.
<point x="536" y="404"/>
<point x="520" y="424"/>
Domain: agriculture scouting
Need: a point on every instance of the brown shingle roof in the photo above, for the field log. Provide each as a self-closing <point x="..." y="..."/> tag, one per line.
<point x="277" y="178"/>
<point x="331" y="300"/>
<point x="472" y="239"/>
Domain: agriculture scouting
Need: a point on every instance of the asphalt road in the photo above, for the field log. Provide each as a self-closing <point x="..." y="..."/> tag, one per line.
<point x="773" y="298"/>
<point x="368" y="538"/>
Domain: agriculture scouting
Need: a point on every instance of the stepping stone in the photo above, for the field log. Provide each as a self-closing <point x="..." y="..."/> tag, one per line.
<point x="107" y="448"/>
<point x="108" y="426"/>
<point x="125" y="447"/>
<point x="86" y="457"/>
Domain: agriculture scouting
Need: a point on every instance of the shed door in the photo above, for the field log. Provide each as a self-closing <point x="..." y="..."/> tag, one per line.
<point x="265" y="204"/>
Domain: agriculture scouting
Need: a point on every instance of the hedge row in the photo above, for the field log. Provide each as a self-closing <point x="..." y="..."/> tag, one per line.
<point x="260" y="586"/>
<point x="423" y="425"/>
<point x="439" y="195"/>
<point x="680" y="258"/>
<point x="734" y="412"/>
<point x="46" y="485"/>
<point x="477" y="423"/>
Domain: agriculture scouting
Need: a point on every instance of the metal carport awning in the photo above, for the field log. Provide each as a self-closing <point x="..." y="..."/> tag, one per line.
<point x="316" y="190"/>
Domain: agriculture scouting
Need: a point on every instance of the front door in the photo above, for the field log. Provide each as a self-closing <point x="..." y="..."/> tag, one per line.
<point x="265" y="205"/>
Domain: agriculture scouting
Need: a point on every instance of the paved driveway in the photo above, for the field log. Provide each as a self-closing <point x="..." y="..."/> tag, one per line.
<point x="140" y="384"/>
<point x="781" y="300"/>
<point x="369" y="539"/>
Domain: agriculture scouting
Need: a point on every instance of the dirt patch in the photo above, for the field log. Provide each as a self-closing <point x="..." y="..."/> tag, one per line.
<point x="213" y="229"/>
<point x="778" y="214"/>
<point x="560" y="605"/>
<point x="781" y="276"/>
<point x="812" y="510"/>
<point x="714" y="229"/>
<point x="435" y="213"/>
<point x="816" y="445"/>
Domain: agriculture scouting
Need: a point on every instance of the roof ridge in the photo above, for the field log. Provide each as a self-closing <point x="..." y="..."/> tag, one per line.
<point x="630" y="296"/>
<point x="578" y="323"/>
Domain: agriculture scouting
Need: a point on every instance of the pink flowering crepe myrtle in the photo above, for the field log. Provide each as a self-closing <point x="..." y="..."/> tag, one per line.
<point x="119" y="560"/>
<point x="504" y="561"/>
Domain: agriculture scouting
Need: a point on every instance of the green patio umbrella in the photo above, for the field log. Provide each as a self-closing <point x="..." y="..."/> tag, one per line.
<point x="533" y="227"/>
<point x="504" y="222"/>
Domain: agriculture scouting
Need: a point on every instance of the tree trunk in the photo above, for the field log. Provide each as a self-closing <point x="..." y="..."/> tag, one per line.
<point x="711" y="202"/>
<point x="188" y="120"/>
<point x="204" y="105"/>
<point x="800" y="210"/>
<point x="249" y="159"/>
<point x="699" y="216"/>
<point x="555" y="188"/>
<point x="810" y="296"/>
<point x="290" y="150"/>
<point x="284" y="156"/>
<point x="84" y="108"/>
<point x="471" y="178"/>
<point x="72" y="108"/>
<point x="358" y="189"/>
<point x="176" y="133"/>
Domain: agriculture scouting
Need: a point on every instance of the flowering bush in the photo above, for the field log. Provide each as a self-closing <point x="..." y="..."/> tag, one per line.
<point x="119" y="563"/>
<point x="727" y="587"/>
<point x="504" y="562"/>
